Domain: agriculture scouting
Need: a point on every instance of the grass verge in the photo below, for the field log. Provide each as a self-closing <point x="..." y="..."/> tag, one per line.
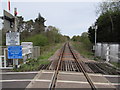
<point x="83" y="49"/>
<point x="34" y="64"/>
<point x="116" y="64"/>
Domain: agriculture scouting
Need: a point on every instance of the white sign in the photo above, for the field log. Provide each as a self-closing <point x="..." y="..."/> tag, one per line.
<point x="13" y="38"/>
<point x="27" y="47"/>
<point x="27" y="44"/>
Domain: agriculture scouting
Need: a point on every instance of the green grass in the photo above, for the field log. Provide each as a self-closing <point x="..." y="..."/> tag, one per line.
<point x="83" y="49"/>
<point x="34" y="64"/>
<point x="116" y="64"/>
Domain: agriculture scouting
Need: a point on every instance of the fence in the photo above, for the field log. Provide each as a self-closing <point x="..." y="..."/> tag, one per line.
<point x="108" y="51"/>
<point x="36" y="52"/>
<point x="27" y="53"/>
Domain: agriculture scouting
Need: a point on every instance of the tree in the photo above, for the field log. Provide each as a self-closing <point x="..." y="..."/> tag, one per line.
<point x="30" y="28"/>
<point x="39" y="25"/>
<point x="20" y="23"/>
<point x="38" y="40"/>
<point x="29" y="25"/>
<point x="85" y="40"/>
<point x="91" y="34"/>
<point x="108" y="7"/>
<point x="108" y="23"/>
<point x="76" y="38"/>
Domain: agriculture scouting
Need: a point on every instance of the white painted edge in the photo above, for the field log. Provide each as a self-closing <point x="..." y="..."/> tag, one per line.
<point x="71" y="73"/>
<point x="41" y="80"/>
<point x="48" y="72"/>
<point x="35" y="78"/>
<point x="64" y="81"/>
<point x="72" y="81"/>
<point x="111" y="75"/>
<point x="88" y="83"/>
<point x="18" y="72"/>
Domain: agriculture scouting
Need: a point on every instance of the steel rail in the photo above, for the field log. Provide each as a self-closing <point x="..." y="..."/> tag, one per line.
<point x="82" y="69"/>
<point x="79" y="64"/>
<point x="54" y="78"/>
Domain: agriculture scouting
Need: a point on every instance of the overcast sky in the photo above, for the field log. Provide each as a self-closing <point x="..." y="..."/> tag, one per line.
<point x="72" y="18"/>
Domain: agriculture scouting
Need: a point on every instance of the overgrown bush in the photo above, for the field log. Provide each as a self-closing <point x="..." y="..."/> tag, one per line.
<point x="38" y="40"/>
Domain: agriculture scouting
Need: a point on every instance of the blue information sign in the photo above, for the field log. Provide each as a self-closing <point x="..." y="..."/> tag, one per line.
<point x="14" y="52"/>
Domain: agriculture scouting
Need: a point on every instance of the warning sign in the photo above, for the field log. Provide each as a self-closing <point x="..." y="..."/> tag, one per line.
<point x="13" y="38"/>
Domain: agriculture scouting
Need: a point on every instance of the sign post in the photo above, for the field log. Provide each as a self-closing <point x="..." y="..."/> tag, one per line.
<point x="12" y="37"/>
<point x="15" y="14"/>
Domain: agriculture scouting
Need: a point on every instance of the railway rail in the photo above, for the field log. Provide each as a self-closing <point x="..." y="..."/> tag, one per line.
<point x="68" y="70"/>
<point x="67" y="55"/>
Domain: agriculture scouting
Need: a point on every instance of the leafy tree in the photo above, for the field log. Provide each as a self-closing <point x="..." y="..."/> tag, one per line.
<point x="20" y="23"/>
<point x="38" y="40"/>
<point x="54" y="35"/>
<point x="85" y="40"/>
<point x="67" y="38"/>
<point x="39" y="25"/>
<point x="108" y="23"/>
<point x="108" y="7"/>
<point x="36" y="32"/>
<point x="76" y="38"/>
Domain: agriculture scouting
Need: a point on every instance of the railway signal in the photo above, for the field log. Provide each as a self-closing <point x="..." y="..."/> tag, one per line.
<point x="9" y="5"/>
<point x="9" y="21"/>
<point x="12" y="36"/>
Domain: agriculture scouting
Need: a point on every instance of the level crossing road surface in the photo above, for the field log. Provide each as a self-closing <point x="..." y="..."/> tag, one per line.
<point x="42" y="79"/>
<point x="16" y="79"/>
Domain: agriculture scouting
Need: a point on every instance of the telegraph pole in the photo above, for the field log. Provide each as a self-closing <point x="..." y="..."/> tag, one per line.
<point x="15" y="26"/>
<point x="95" y="27"/>
<point x="95" y="36"/>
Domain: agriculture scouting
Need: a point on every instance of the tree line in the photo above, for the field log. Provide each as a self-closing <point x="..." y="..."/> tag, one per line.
<point x="108" y="23"/>
<point x="84" y="39"/>
<point x="36" y="32"/>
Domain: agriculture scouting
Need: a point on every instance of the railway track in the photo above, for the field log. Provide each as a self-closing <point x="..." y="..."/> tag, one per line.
<point x="68" y="61"/>
<point x="68" y="70"/>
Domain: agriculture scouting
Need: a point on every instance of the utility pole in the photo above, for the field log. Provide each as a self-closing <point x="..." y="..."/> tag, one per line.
<point x="95" y="36"/>
<point x="95" y="27"/>
<point x="109" y="12"/>
<point x="15" y="26"/>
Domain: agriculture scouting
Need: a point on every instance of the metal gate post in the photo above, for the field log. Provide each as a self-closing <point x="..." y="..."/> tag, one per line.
<point x="5" y="57"/>
<point x="119" y="53"/>
<point x="0" y="61"/>
<point x="107" y="53"/>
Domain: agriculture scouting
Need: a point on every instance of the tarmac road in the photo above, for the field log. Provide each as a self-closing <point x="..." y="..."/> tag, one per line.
<point x="16" y="79"/>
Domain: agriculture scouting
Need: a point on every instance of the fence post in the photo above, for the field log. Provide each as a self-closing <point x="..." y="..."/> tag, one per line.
<point x="0" y="61"/>
<point x="118" y="53"/>
<point x="5" y="57"/>
<point x="107" y="53"/>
